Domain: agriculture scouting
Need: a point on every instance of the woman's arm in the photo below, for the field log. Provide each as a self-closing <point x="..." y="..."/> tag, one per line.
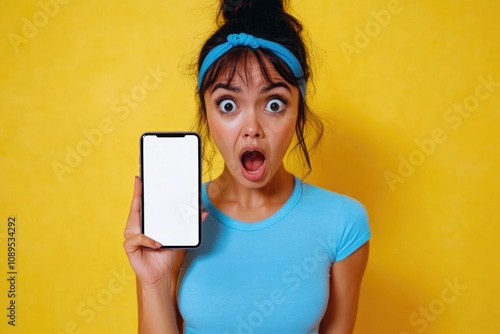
<point x="157" y="312"/>
<point x="156" y="270"/>
<point x="345" y="283"/>
<point x="157" y="305"/>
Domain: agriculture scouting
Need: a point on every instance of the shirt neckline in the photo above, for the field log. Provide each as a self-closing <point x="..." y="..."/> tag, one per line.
<point x="259" y="225"/>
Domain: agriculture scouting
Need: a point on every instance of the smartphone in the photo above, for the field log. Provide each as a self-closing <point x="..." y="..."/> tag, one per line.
<point x="170" y="167"/>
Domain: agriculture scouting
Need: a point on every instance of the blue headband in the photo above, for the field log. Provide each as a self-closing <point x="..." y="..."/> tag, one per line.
<point x="254" y="42"/>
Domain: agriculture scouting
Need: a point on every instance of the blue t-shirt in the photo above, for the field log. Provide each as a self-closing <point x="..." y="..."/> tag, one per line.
<point x="270" y="276"/>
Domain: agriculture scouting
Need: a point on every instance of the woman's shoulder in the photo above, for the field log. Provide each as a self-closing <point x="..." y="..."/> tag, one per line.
<point x="342" y="218"/>
<point x="325" y="198"/>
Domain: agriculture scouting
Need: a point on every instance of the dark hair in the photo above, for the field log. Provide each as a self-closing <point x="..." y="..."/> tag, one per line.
<point x="266" y="19"/>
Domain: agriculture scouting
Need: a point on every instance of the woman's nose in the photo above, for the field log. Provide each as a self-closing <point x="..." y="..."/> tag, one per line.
<point x="251" y="125"/>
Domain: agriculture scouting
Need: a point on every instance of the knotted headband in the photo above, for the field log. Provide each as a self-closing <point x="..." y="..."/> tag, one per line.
<point x="243" y="39"/>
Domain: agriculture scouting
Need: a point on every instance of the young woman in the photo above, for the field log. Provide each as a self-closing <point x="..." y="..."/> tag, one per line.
<point x="278" y="255"/>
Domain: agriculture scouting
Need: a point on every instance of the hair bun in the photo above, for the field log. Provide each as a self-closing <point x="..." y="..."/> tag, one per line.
<point x="243" y="9"/>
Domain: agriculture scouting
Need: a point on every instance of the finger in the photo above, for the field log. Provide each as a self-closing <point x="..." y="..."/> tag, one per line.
<point x="135" y="241"/>
<point x="204" y="215"/>
<point x="135" y="206"/>
<point x="134" y="217"/>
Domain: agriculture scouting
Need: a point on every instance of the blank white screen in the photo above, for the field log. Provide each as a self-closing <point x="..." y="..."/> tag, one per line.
<point x="170" y="185"/>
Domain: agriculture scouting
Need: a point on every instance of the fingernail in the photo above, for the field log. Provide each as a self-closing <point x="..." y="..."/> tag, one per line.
<point x="158" y="245"/>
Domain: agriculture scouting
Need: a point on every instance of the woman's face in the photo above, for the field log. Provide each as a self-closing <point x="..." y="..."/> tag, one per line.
<point x="252" y="122"/>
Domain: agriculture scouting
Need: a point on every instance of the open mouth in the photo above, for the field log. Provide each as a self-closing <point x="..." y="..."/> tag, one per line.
<point x="252" y="161"/>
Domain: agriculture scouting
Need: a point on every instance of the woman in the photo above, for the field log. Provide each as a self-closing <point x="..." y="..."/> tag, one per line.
<point x="278" y="255"/>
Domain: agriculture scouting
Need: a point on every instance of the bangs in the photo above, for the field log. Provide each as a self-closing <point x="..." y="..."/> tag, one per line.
<point x="235" y="62"/>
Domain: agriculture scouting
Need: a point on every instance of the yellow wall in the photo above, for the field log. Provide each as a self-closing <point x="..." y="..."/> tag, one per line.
<point x="413" y="134"/>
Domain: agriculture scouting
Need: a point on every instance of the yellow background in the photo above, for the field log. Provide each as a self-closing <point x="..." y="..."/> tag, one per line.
<point x="434" y="226"/>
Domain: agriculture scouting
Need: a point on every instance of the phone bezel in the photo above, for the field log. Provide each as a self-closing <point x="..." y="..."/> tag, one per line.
<point x="177" y="134"/>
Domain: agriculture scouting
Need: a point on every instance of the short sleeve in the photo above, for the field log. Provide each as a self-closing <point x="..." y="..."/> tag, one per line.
<point x="353" y="229"/>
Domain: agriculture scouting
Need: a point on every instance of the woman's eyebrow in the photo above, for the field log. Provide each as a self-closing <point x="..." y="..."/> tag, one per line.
<point x="273" y="85"/>
<point x="264" y="89"/>
<point x="225" y="86"/>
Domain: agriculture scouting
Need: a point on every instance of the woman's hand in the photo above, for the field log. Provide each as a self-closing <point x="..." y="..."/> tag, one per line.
<point x="151" y="263"/>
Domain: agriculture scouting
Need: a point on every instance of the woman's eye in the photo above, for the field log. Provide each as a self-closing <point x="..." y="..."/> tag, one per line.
<point x="227" y="105"/>
<point x="275" y="105"/>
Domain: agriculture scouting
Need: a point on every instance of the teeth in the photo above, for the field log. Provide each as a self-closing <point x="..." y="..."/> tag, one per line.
<point x="256" y="171"/>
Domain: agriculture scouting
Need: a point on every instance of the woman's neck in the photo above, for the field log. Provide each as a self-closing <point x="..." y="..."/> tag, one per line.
<point x="250" y="204"/>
